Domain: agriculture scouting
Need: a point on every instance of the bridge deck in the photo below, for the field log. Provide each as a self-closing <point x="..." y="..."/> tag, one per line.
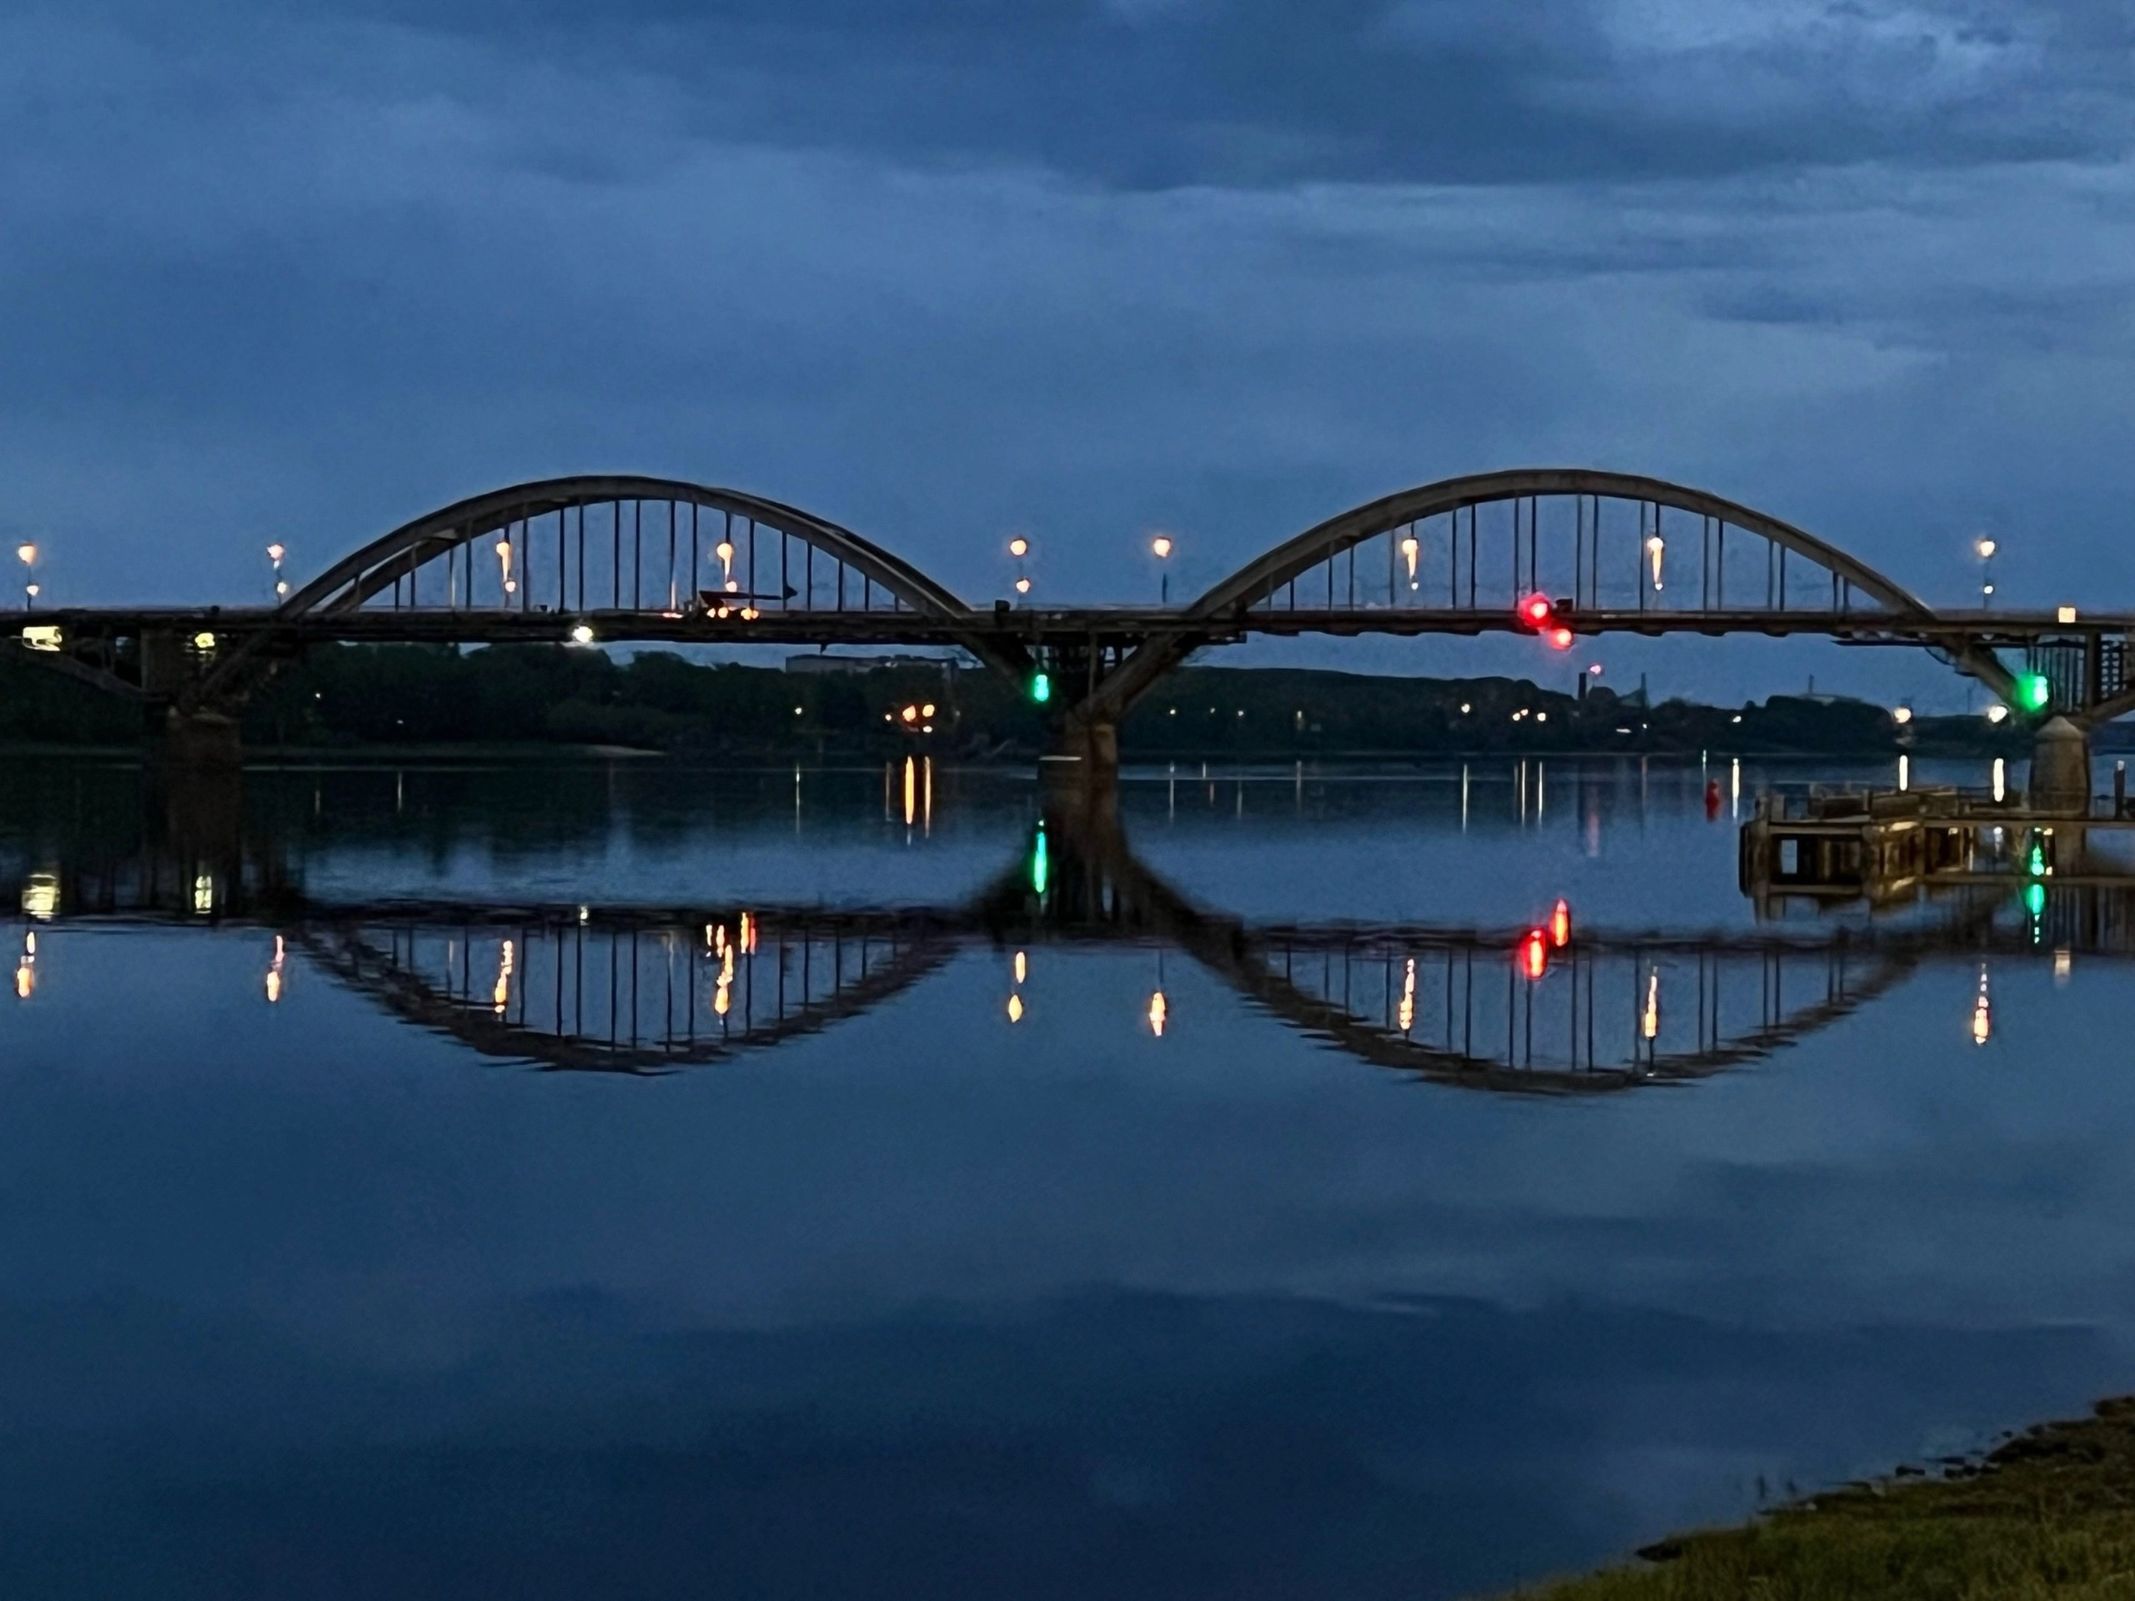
<point x="1033" y="625"/>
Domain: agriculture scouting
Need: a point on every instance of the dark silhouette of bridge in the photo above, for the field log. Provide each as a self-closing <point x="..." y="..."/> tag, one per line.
<point x="1544" y="1007"/>
<point x="651" y="560"/>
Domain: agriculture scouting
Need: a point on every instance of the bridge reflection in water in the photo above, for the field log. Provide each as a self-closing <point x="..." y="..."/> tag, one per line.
<point x="1549" y="1007"/>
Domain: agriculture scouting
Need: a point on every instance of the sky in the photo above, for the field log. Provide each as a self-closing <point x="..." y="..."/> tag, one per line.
<point x="941" y="269"/>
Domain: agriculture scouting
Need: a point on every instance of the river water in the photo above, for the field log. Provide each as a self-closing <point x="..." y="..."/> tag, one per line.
<point x="639" y="1181"/>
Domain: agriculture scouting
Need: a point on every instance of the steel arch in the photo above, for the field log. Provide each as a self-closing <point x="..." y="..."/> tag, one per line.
<point x="1261" y="578"/>
<point x="376" y="567"/>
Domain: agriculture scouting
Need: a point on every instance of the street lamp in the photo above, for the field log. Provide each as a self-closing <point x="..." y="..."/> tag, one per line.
<point x="26" y="553"/>
<point x="1160" y="547"/>
<point x="275" y="553"/>
<point x="1986" y="548"/>
<point x="1019" y="547"/>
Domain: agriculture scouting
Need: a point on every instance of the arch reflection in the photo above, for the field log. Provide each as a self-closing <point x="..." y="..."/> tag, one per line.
<point x="1557" y="1007"/>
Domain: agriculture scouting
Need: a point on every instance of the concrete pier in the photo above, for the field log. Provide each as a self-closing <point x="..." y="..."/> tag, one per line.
<point x="2061" y="770"/>
<point x="197" y="741"/>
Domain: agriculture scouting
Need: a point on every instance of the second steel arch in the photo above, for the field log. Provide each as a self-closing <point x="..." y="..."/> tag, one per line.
<point x="1225" y="606"/>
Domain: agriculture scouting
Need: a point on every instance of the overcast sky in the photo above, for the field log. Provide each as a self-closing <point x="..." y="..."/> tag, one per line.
<point x="936" y="268"/>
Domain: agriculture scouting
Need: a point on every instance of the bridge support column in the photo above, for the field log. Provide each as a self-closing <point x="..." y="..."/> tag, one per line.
<point x="201" y="741"/>
<point x="1084" y="758"/>
<point x="2061" y="770"/>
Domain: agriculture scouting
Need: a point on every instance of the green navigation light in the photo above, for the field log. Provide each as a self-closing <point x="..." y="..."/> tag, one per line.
<point x="2034" y="691"/>
<point x="1041" y="866"/>
<point x="1041" y="687"/>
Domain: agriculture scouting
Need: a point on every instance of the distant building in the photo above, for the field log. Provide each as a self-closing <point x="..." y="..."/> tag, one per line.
<point x="822" y="664"/>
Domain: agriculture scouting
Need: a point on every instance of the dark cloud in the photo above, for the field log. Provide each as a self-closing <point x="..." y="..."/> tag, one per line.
<point x="1225" y="264"/>
<point x="1427" y="91"/>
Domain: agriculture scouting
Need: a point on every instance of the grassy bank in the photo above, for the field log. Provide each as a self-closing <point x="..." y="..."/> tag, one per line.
<point x="2049" y="1514"/>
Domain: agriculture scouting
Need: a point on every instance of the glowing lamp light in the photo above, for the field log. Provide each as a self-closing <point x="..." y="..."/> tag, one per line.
<point x="26" y="554"/>
<point x="1041" y="864"/>
<point x="927" y="710"/>
<point x="1160" y="547"/>
<point x="1159" y="1013"/>
<point x="2034" y="691"/>
<point x="1559" y="638"/>
<point x="1986" y="548"/>
<point x="1901" y="715"/>
<point x="1015" y="1008"/>
<point x="1536" y="611"/>
<point x="1534" y="954"/>
<point x="203" y="641"/>
<point x="1560" y="924"/>
<point x="1997" y="713"/>
<point x="1041" y="687"/>
<point x="582" y="634"/>
<point x="1022" y="586"/>
<point x="724" y="550"/>
<point x="910" y="714"/>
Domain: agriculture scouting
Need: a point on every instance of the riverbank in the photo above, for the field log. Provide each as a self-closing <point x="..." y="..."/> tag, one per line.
<point x="2049" y="1514"/>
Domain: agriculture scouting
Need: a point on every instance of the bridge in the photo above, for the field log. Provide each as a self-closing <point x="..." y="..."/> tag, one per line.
<point x="1546" y="1006"/>
<point x="1560" y="552"/>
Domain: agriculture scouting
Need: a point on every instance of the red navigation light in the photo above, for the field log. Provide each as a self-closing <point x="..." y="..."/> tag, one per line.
<point x="1559" y="638"/>
<point x="1534" y="954"/>
<point x="1560" y="924"/>
<point x="1536" y="611"/>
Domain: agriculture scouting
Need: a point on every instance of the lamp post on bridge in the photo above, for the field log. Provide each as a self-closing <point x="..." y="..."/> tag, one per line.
<point x="1160" y="548"/>
<point x="26" y="553"/>
<point x="1019" y="547"/>
<point x="1986" y="548"/>
<point x="275" y="553"/>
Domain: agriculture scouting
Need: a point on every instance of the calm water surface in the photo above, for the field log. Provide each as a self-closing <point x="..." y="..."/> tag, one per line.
<point x="643" y="1182"/>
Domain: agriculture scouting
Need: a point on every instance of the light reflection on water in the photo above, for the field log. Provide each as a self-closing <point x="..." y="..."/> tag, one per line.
<point x="1144" y="1215"/>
